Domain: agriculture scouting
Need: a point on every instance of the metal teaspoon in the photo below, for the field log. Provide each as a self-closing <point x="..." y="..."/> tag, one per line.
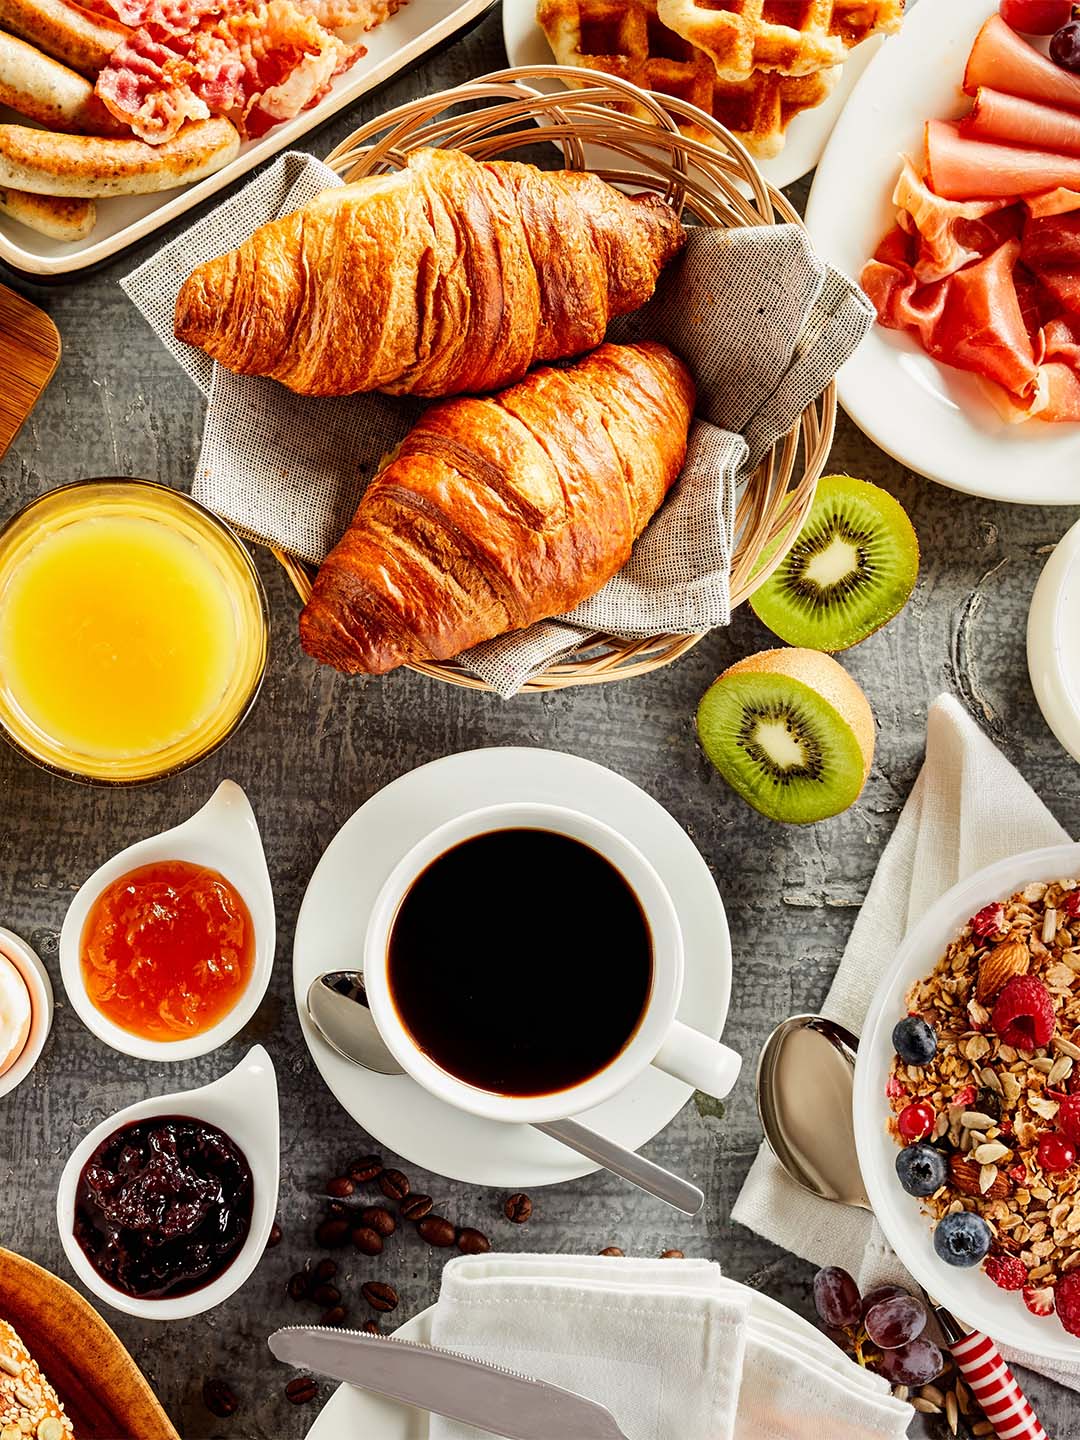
<point x="337" y="1007"/>
<point x="807" y="1069"/>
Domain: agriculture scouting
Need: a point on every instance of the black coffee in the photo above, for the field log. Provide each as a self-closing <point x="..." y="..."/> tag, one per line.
<point x="506" y="988"/>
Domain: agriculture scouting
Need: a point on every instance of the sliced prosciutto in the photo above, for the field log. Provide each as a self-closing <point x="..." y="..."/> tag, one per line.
<point x="1007" y="119"/>
<point x="961" y="169"/>
<point x="951" y="232"/>
<point x="1001" y="60"/>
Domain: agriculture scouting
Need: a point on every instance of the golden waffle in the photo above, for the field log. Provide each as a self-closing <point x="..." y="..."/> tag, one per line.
<point x="626" y="38"/>
<point x="792" y="37"/>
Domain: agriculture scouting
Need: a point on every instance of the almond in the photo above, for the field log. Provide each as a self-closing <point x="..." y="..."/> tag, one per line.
<point x="966" y="1177"/>
<point x="999" y="965"/>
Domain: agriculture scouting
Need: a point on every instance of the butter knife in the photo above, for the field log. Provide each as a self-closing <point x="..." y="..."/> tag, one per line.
<point x="471" y="1391"/>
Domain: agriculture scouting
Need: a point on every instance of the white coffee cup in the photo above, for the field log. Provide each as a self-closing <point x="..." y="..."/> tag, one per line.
<point x="660" y="1039"/>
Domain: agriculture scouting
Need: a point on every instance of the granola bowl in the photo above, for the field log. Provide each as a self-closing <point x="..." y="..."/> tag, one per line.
<point x="1033" y="1213"/>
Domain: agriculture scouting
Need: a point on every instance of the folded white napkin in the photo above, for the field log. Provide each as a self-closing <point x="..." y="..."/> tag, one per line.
<point x="673" y="1349"/>
<point x="968" y="808"/>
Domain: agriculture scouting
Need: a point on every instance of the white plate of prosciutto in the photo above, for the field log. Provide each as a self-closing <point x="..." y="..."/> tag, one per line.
<point x="117" y="116"/>
<point x="951" y="187"/>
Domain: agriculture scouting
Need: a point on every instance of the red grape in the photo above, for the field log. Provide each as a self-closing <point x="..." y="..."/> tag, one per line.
<point x="880" y="1292"/>
<point x="837" y="1297"/>
<point x="1065" y="46"/>
<point x="896" y="1322"/>
<point x="915" y="1364"/>
<point x="1035" y="17"/>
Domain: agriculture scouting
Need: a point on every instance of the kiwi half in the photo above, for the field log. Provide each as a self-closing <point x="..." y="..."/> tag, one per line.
<point x="791" y="732"/>
<point x="851" y="568"/>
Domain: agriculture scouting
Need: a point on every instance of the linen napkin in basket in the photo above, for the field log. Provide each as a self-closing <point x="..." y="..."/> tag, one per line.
<point x="762" y="323"/>
<point x="672" y="1348"/>
<point x="968" y="808"/>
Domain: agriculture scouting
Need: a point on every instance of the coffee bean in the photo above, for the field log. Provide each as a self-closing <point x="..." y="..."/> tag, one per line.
<point x="612" y="1250"/>
<point x="379" y="1296"/>
<point x="274" y="1238"/>
<point x="436" y="1231"/>
<point x="332" y="1233"/>
<point x="518" y="1209"/>
<point x="370" y="1327"/>
<point x="393" y="1184"/>
<point x="672" y="1255"/>
<point x="415" y="1207"/>
<point x="325" y="1270"/>
<point x="219" y="1398"/>
<point x="365" y="1169"/>
<point x="337" y="1315"/>
<point x="326" y="1294"/>
<point x="367" y="1241"/>
<point x="302" y="1390"/>
<point x="472" y="1242"/>
<point x="340" y="1187"/>
<point x="379" y="1219"/>
<point x="299" y="1286"/>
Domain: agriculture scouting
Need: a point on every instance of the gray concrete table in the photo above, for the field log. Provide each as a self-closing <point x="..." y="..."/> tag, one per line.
<point x="317" y="747"/>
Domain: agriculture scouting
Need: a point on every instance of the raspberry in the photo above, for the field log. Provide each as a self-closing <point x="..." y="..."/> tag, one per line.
<point x="1071" y="904"/>
<point x="1024" y="1014"/>
<point x="963" y="1099"/>
<point x="1067" y="1298"/>
<point x="1068" y="1118"/>
<point x="1039" y="1299"/>
<point x="893" y="1088"/>
<point x="989" y="923"/>
<point x="1007" y="1272"/>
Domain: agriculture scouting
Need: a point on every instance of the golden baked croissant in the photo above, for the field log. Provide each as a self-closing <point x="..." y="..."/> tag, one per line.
<point x="446" y="277"/>
<point x="497" y="512"/>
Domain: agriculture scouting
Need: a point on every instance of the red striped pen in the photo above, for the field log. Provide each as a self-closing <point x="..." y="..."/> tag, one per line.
<point x="990" y="1381"/>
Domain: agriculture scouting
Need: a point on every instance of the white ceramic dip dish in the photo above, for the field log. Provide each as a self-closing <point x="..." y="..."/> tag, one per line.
<point x="224" y="836"/>
<point x="244" y="1104"/>
<point x="36" y="979"/>
<point x="1053" y="641"/>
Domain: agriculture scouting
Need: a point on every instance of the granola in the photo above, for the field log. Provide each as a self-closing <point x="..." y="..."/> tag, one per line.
<point x="995" y="1096"/>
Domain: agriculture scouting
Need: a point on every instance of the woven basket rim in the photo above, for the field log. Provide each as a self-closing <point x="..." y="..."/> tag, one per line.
<point x="715" y="179"/>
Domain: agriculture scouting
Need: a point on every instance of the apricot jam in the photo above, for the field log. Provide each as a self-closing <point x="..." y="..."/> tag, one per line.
<point x="167" y="950"/>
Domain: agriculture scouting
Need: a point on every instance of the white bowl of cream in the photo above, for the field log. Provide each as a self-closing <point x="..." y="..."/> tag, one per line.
<point x="1053" y="642"/>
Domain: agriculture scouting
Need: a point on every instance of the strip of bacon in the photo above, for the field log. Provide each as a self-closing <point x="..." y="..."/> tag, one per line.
<point x="163" y="18"/>
<point x="961" y="169"/>
<point x="341" y="14"/>
<point x="1009" y="119"/>
<point x="1001" y="60"/>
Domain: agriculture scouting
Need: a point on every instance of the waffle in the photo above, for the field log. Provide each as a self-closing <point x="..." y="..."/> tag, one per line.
<point x="627" y="39"/>
<point x="790" y="37"/>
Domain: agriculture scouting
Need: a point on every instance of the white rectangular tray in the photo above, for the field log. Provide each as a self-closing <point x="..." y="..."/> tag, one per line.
<point x="418" y="27"/>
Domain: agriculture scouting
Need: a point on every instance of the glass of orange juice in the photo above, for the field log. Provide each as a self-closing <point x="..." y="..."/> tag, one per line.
<point x="133" y="631"/>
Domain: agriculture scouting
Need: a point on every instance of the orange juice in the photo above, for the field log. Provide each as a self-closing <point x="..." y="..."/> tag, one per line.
<point x="124" y="628"/>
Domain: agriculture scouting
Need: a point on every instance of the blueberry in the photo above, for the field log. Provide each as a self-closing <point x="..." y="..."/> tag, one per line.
<point x="914" y="1040"/>
<point x="962" y="1239"/>
<point x="921" y="1169"/>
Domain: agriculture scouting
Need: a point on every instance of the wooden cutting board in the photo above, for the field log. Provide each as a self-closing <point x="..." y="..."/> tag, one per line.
<point x="29" y="354"/>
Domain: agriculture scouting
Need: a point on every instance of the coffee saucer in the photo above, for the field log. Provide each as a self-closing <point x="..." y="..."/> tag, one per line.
<point x="394" y="1109"/>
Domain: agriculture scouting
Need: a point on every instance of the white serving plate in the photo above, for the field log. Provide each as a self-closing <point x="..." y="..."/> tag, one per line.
<point x="931" y="418"/>
<point x="417" y="28"/>
<point x="969" y="1294"/>
<point x="808" y="133"/>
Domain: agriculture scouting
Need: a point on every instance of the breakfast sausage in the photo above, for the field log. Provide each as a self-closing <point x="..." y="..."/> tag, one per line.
<point x="65" y="30"/>
<point x="53" y="215"/>
<point x="48" y="92"/>
<point x="48" y="163"/>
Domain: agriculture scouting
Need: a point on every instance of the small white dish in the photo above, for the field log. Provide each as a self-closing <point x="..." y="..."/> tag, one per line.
<point x="969" y="1294"/>
<point x="244" y="1104"/>
<point x="929" y="417"/>
<point x="223" y="835"/>
<point x="36" y="979"/>
<point x="807" y="136"/>
<point x="1052" y="652"/>
<point x="330" y="930"/>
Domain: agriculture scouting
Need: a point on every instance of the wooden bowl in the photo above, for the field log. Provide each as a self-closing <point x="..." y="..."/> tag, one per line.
<point x="102" y="1389"/>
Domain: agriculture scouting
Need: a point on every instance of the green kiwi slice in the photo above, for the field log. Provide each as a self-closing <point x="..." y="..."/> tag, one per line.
<point x="791" y="732"/>
<point x="851" y="568"/>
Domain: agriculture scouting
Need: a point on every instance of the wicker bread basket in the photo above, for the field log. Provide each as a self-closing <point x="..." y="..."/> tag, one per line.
<point x="715" y="184"/>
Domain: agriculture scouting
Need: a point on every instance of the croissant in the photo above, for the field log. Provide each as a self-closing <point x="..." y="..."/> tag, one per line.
<point x="446" y="277"/>
<point x="497" y="512"/>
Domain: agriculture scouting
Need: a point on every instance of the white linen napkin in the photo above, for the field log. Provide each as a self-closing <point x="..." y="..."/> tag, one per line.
<point x="968" y="808"/>
<point x="672" y="1348"/>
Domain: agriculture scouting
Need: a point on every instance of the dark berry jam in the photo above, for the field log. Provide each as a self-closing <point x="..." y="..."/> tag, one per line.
<point x="163" y="1206"/>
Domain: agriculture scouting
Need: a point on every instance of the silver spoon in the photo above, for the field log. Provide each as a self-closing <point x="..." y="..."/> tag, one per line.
<point x="337" y="1007"/>
<point x="807" y="1069"/>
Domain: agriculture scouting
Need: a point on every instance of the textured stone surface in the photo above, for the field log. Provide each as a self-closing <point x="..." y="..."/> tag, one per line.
<point x="318" y="746"/>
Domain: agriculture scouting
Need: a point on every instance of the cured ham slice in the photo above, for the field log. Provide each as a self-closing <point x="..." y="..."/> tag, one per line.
<point x="1055" y="202"/>
<point x="1001" y="60"/>
<point x="961" y="169"/>
<point x="951" y="232"/>
<point x="1010" y="120"/>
